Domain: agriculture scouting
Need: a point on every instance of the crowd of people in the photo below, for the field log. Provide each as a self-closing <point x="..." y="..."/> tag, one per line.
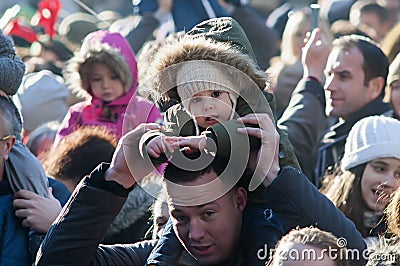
<point x="186" y="132"/>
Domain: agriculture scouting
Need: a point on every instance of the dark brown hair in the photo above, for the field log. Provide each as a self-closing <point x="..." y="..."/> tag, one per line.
<point x="344" y="190"/>
<point x="80" y="152"/>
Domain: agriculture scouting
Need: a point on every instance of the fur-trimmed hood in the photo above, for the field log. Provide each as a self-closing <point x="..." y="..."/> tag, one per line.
<point x="224" y="41"/>
<point x="102" y="46"/>
<point x="169" y="59"/>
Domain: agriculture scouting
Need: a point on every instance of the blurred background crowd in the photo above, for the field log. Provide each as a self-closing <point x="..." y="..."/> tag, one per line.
<point x="48" y="36"/>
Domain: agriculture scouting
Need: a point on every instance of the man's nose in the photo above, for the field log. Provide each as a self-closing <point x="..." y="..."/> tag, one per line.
<point x="329" y="83"/>
<point x="196" y="230"/>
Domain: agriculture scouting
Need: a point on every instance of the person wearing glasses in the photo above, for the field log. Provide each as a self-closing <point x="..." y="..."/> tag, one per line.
<point x="12" y="70"/>
<point x="14" y="249"/>
<point x="24" y="171"/>
<point x="14" y="235"/>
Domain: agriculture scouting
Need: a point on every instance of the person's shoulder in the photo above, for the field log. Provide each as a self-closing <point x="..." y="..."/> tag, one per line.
<point x="143" y="249"/>
<point x="60" y="191"/>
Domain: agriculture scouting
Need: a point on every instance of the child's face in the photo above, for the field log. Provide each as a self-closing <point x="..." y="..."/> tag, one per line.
<point x="105" y="84"/>
<point x="211" y="107"/>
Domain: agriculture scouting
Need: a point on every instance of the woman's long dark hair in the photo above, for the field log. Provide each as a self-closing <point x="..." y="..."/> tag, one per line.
<point x="344" y="190"/>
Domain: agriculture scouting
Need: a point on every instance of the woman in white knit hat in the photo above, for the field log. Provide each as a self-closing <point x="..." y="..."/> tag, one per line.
<point x="369" y="173"/>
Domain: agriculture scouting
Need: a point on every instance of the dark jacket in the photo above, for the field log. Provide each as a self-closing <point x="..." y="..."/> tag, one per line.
<point x="14" y="240"/>
<point x="331" y="149"/>
<point x="290" y="209"/>
<point x="316" y="146"/>
<point x="60" y="191"/>
<point x="305" y="122"/>
<point x="74" y="239"/>
<point x="261" y="230"/>
<point x="13" y="237"/>
<point x="290" y="196"/>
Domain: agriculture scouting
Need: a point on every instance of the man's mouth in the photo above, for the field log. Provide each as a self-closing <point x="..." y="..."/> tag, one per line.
<point x="202" y="250"/>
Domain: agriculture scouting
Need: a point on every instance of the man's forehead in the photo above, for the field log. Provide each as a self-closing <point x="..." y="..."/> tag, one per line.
<point x="342" y="59"/>
<point x="179" y="208"/>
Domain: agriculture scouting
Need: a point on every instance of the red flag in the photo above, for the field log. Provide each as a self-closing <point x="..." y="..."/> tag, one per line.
<point x="48" y="11"/>
<point x="26" y="32"/>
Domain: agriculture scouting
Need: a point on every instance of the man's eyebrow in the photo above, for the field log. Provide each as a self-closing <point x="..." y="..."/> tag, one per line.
<point x="213" y="203"/>
<point x="344" y="72"/>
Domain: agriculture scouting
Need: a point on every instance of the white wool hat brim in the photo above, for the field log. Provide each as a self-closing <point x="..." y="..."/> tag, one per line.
<point x="371" y="138"/>
<point x="371" y="152"/>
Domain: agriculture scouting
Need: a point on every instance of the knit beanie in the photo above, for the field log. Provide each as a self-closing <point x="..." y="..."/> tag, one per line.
<point x="371" y="138"/>
<point x="200" y="75"/>
<point x="12" y="69"/>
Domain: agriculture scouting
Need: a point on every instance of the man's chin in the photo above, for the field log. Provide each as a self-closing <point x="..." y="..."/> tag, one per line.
<point x="206" y="258"/>
<point x="208" y="261"/>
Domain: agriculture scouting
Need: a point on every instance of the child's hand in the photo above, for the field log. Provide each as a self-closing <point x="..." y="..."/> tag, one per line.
<point x="192" y="142"/>
<point x="128" y="165"/>
<point x="159" y="145"/>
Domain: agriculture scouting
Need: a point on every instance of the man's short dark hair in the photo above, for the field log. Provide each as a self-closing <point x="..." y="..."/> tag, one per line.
<point x="375" y="62"/>
<point x="177" y="174"/>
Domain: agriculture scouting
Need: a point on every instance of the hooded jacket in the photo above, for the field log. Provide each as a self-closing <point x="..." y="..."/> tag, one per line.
<point x="219" y="40"/>
<point x="120" y="115"/>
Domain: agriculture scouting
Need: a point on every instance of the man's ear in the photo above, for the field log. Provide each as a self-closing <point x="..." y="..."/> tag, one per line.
<point x="375" y="86"/>
<point x="8" y="146"/>
<point x="240" y="198"/>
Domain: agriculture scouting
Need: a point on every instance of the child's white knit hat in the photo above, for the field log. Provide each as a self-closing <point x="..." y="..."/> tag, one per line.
<point x="200" y="75"/>
<point x="372" y="138"/>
